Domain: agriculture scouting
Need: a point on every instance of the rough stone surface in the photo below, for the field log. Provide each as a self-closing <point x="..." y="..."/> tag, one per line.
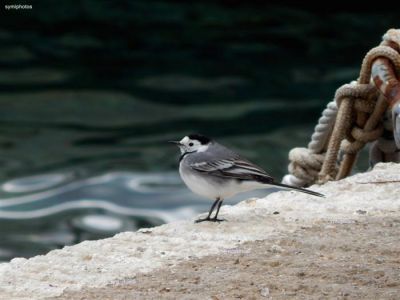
<point x="315" y="247"/>
<point x="358" y="260"/>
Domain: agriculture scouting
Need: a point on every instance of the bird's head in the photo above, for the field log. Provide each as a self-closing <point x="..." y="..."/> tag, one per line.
<point x="193" y="143"/>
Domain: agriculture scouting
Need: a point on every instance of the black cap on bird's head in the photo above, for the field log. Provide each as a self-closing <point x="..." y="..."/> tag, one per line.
<point x="193" y="143"/>
<point x="199" y="137"/>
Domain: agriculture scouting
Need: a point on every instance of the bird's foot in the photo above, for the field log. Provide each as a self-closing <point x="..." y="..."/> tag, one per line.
<point x="203" y="220"/>
<point x="209" y="220"/>
<point x="217" y="220"/>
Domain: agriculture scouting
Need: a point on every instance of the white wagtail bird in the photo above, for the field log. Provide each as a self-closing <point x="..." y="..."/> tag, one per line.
<point x="216" y="172"/>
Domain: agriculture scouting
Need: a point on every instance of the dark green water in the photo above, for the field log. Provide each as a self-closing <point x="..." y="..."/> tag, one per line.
<point x="90" y="91"/>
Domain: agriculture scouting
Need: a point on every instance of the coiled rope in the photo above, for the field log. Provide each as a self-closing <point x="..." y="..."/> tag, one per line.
<point x="355" y="117"/>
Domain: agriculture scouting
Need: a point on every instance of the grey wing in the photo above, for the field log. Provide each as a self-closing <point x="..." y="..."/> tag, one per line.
<point x="235" y="168"/>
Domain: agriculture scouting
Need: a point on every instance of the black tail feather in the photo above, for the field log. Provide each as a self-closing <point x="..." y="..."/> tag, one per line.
<point x="299" y="189"/>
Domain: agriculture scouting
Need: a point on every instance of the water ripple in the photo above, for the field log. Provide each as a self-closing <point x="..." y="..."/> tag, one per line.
<point x="165" y="216"/>
<point x="34" y="183"/>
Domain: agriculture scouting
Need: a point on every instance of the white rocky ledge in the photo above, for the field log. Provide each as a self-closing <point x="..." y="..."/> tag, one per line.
<point x="103" y="263"/>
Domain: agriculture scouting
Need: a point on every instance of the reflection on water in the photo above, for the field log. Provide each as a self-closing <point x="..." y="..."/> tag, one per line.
<point x="43" y="212"/>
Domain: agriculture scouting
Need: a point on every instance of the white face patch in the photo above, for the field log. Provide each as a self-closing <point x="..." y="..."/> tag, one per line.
<point x="185" y="140"/>
<point x="189" y="145"/>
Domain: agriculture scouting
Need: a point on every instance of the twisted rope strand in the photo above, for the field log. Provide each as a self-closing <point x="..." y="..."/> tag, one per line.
<point x="352" y="120"/>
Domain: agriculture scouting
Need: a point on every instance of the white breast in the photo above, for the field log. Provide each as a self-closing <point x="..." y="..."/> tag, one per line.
<point x="198" y="184"/>
<point x="211" y="187"/>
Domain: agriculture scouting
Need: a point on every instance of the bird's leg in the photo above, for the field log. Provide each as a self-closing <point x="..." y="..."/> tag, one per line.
<point x="209" y="213"/>
<point x="215" y="219"/>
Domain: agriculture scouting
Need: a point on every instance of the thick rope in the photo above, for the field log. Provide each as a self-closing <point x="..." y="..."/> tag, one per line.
<point x="328" y="169"/>
<point x="322" y="131"/>
<point x="304" y="167"/>
<point x="356" y="121"/>
<point x="372" y="130"/>
<point x="368" y="126"/>
<point x="305" y="163"/>
<point x="374" y="53"/>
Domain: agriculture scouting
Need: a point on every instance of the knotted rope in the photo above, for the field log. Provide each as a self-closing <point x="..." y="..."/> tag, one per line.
<point x="357" y="121"/>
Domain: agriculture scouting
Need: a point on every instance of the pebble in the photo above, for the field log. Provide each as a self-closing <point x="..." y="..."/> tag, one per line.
<point x="264" y="292"/>
<point x="276" y="249"/>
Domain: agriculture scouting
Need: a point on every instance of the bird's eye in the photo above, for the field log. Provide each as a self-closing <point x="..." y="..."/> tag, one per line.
<point x="190" y="144"/>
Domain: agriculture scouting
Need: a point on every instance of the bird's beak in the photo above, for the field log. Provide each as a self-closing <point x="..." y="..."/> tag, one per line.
<point x="175" y="142"/>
